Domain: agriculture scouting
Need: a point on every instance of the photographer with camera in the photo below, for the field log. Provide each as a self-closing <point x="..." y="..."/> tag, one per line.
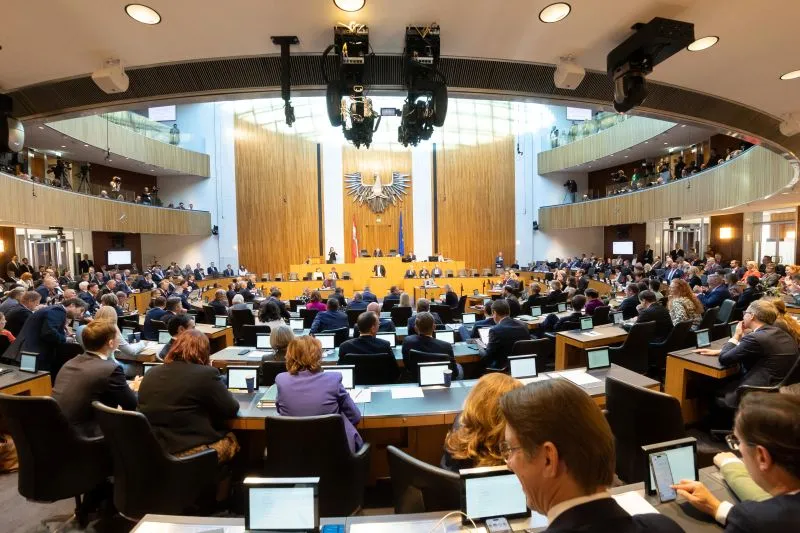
<point x="572" y="190"/>
<point x="116" y="184"/>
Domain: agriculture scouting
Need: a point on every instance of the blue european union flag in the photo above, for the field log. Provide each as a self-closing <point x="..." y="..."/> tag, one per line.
<point x="401" y="248"/>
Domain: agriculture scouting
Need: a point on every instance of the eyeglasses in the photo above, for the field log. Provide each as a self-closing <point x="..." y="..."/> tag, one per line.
<point x="733" y="442"/>
<point x="506" y="450"/>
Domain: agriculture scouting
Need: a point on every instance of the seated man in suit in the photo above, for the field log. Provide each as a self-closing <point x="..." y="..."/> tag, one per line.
<point x="394" y="295"/>
<point x="18" y="314"/>
<point x="338" y="293"/>
<point x="502" y="336"/>
<point x="424" y="341"/>
<point x="12" y="299"/>
<point x="333" y="275"/>
<point x="198" y="272"/>
<point x="330" y="319"/>
<point x="176" y="325"/>
<point x="629" y="305"/>
<point x="535" y="298"/>
<point x="49" y="290"/>
<point x="450" y="297"/>
<point x="379" y="271"/>
<point x="385" y="325"/>
<point x="275" y="296"/>
<point x="471" y="331"/>
<point x="366" y="343"/>
<point x="377" y="253"/>
<point x="411" y="256"/>
<point x="410" y="273"/>
<point x="368" y="296"/>
<point x="357" y="303"/>
<point x="562" y="477"/>
<point x="93" y="375"/>
<point x="552" y="322"/>
<point x="156" y="313"/>
<point x="716" y="293"/>
<point x="423" y="306"/>
<point x="212" y="270"/>
<point x="499" y="262"/>
<point x="652" y="311"/>
<point x="228" y="272"/>
<point x="513" y="303"/>
<point x="88" y="291"/>
<point x="764" y="352"/>
<point x="436" y="272"/>
<point x="423" y="273"/>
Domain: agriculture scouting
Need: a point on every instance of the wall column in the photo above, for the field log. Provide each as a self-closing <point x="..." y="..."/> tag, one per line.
<point x="422" y="193"/>
<point x="333" y="200"/>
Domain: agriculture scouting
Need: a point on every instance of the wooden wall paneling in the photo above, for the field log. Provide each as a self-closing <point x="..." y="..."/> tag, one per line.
<point x="372" y="233"/>
<point x="475" y="189"/>
<point x="42" y="206"/>
<point x="753" y="175"/>
<point x="8" y="237"/>
<point x="626" y="232"/>
<point x="102" y="243"/>
<point x="729" y="248"/>
<point x="276" y="198"/>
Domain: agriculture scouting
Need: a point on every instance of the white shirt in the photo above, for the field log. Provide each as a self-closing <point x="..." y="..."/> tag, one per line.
<point x="560" y="508"/>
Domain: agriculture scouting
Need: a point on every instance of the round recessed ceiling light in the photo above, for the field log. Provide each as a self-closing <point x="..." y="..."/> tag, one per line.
<point x="350" y="5"/>
<point x="703" y="43"/>
<point x="791" y="75"/>
<point x="142" y="13"/>
<point x="555" y="12"/>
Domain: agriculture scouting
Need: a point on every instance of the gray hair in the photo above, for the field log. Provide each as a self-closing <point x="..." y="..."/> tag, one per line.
<point x="280" y="337"/>
<point x="238" y="299"/>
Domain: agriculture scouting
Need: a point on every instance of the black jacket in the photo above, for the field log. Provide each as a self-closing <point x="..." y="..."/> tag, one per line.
<point x="747" y="297"/>
<point x="451" y="300"/>
<point x="501" y="340"/>
<point x="365" y="344"/>
<point x="429" y="345"/>
<point x="437" y="320"/>
<point x="43" y="333"/>
<point x="186" y="404"/>
<point x="657" y="313"/>
<point x="218" y="307"/>
<point x="16" y="318"/>
<point x="780" y="514"/>
<point x="628" y="307"/>
<point x="606" y="515"/>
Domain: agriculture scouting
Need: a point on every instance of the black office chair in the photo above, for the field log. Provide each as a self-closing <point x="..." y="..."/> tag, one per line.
<point x="270" y="369"/>
<point x="417" y="356"/>
<point x="128" y="321"/>
<point x="445" y="312"/>
<point x="239" y="319"/>
<point x="250" y="333"/>
<point x="293" y="450"/>
<point x="544" y="349"/>
<point x="387" y="305"/>
<point x="158" y="325"/>
<point x="400" y="316"/>
<point x="340" y="335"/>
<point x="418" y="487"/>
<point x="308" y="316"/>
<point x="792" y="377"/>
<point x="146" y="478"/>
<point x="209" y="316"/>
<point x="707" y="322"/>
<point x="55" y="463"/>
<point x="352" y="316"/>
<point x="639" y="417"/>
<point x="677" y="339"/>
<point x="633" y="352"/>
<point x="725" y="311"/>
<point x="372" y="369"/>
<point x="600" y="315"/>
<point x="293" y="304"/>
<point x="462" y="304"/>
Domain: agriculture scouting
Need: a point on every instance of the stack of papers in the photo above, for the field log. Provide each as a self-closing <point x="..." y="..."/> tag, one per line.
<point x="578" y="377"/>
<point x="399" y="393"/>
<point x="634" y="503"/>
<point x="256" y="354"/>
<point x="591" y="333"/>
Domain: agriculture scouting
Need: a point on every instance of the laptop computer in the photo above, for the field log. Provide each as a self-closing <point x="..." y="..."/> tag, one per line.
<point x="446" y="336"/>
<point x="262" y="341"/>
<point x="523" y="366"/>
<point x="327" y="340"/>
<point x="347" y="372"/>
<point x="483" y="334"/>
<point x="237" y="376"/>
<point x="296" y="324"/>
<point x="220" y="321"/>
<point x="468" y="318"/>
<point x="390" y="337"/>
<point x="281" y="504"/>
<point x="149" y="366"/>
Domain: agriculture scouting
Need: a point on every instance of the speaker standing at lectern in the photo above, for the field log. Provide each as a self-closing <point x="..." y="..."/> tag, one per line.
<point x="498" y="261"/>
<point x="379" y="271"/>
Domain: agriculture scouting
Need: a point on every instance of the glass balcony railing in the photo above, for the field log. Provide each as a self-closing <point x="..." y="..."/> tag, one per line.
<point x="580" y="130"/>
<point x="156" y="130"/>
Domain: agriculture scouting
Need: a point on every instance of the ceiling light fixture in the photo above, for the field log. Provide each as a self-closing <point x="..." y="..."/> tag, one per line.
<point x="703" y="43"/>
<point x="555" y="12"/>
<point x="791" y="75"/>
<point x="41" y="127"/>
<point x="142" y="13"/>
<point x="350" y="5"/>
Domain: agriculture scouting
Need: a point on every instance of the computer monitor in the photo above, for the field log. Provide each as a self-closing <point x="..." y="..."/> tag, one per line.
<point x="220" y="321"/>
<point x="238" y="374"/>
<point x="447" y="336"/>
<point x="598" y="358"/>
<point x="703" y="338"/>
<point x="126" y="334"/>
<point x="562" y="307"/>
<point x="27" y="362"/>
<point x="682" y="455"/>
<point x="327" y="340"/>
<point x="296" y="324"/>
<point x="491" y="492"/>
<point x="523" y="366"/>
<point x="536" y="311"/>
<point x="301" y="307"/>
<point x="468" y="318"/>
<point x="586" y="323"/>
<point x="282" y="504"/>
<point x="617" y="318"/>
<point x="347" y="372"/>
<point x="164" y="337"/>
<point x="149" y="366"/>
<point x="262" y="340"/>
<point x="432" y="373"/>
<point x="483" y="333"/>
<point x="390" y="337"/>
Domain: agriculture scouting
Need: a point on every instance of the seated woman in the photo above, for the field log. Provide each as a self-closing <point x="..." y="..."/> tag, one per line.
<point x="766" y="433"/>
<point x="187" y="403"/>
<point x="752" y="270"/>
<point x="220" y="303"/>
<point x="108" y="314"/>
<point x="785" y="321"/>
<point x="305" y="390"/>
<point x="3" y="331"/>
<point x="279" y="340"/>
<point x="314" y="302"/>
<point x="683" y="304"/>
<point x="479" y="429"/>
<point x="405" y="300"/>
<point x="694" y="277"/>
<point x="269" y="314"/>
<point x="751" y="293"/>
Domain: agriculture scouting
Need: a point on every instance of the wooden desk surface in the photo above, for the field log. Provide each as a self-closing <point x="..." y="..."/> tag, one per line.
<point x="608" y="332"/>
<point x="17" y="382"/>
<point x="711" y="362"/>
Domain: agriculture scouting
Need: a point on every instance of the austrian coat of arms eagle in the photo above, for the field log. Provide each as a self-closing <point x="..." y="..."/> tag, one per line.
<point x="378" y="194"/>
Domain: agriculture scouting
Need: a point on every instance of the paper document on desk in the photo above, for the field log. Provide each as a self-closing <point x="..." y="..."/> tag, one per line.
<point x="543" y="377"/>
<point x="396" y="527"/>
<point x="591" y="333"/>
<point x="579" y="377"/>
<point x="166" y="527"/>
<point x="634" y="503"/>
<point x="361" y="395"/>
<point x="256" y="354"/>
<point x="407" y="392"/>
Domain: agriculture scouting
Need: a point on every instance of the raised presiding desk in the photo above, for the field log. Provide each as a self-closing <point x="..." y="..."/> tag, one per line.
<point x="684" y="368"/>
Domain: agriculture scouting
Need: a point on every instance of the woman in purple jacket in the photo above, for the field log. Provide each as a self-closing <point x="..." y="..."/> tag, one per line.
<point x="305" y="390"/>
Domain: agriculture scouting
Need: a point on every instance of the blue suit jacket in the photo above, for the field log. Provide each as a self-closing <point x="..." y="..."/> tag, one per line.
<point x="369" y="297"/>
<point x="715" y="297"/>
<point x="357" y="305"/>
<point x="321" y="393"/>
<point x="501" y="340"/>
<point x="43" y="333"/>
<point x="328" y="320"/>
<point x="149" y="333"/>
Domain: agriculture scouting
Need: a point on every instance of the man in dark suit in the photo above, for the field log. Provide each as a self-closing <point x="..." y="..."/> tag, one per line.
<point x="562" y="477"/>
<point x="411" y="257"/>
<point x="275" y="296"/>
<point x="535" y="299"/>
<point x="109" y="288"/>
<point x="424" y="341"/>
<point x="676" y="250"/>
<point x="88" y="292"/>
<point x="48" y="290"/>
<point x="499" y="262"/>
<point x="471" y="331"/>
<point x="12" y="300"/>
<point x="570" y="321"/>
<point x="385" y="325"/>
<point x="212" y="270"/>
<point x="647" y="256"/>
<point x="716" y="293"/>
<point x="583" y="281"/>
<point x="451" y="298"/>
<point x="357" y="303"/>
<point x="17" y="315"/>
<point x="628" y="307"/>
<point x="765" y="355"/>
<point x="85" y="263"/>
<point x="44" y="333"/>
<point x="228" y="272"/>
<point x="12" y="268"/>
<point x="93" y="376"/>
<point x="652" y="311"/>
<point x="423" y="306"/>
<point x="330" y="319"/>
<point x="673" y="273"/>
<point x="198" y="272"/>
<point x="436" y="272"/>
<point x="366" y="343"/>
<point x="149" y="333"/>
<point x="502" y="336"/>
<point x="175" y="326"/>
<point x="410" y="273"/>
<point x="338" y="293"/>
<point x="367" y="296"/>
<point x="379" y="271"/>
<point x="393" y="296"/>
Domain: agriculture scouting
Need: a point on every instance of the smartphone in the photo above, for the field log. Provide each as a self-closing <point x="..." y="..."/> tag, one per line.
<point x="497" y="525"/>
<point x="662" y="473"/>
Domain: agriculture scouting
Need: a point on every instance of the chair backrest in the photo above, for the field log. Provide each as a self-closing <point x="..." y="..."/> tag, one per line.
<point x="208" y="314"/>
<point x="270" y="369"/>
<point x="372" y="369"/>
<point x="265" y="276"/>
<point x="724" y="313"/>
<point x="158" y="324"/>
<point x="279" y="276"/>
<point x="292" y="276"/>
<point x="415" y="357"/>
<point x="308" y="316"/>
<point x="250" y="332"/>
<point x="293" y="450"/>
<point x="526" y="347"/>
<point x="392" y="252"/>
<point x="418" y="487"/>
<point x="445" y="312"/>
<point x="400" y="316"/>
<point x="462" y="273"/>
<point x="146" y="478"/>
<point x="448" y="273"/>
<point x="474" y="272"/>
<point x="340" y="335"/>
<point x="639" y="417"/>
<point x="678" y="337"/>
<point x="600" y="315"/>
<point x="54" y="461"/>
<point x="346" y="275"/>
<point x="462" y="304"/>
<point x="127" y="321"/>
<point x="709" y="318"/>
<point x="293" y="304"/>
<point x="239" y="319"/>
<point x="352" y="316"/>
<point x="387" y="304"/>
<point x="486" y="272"/>
<point x="633" y="352"/>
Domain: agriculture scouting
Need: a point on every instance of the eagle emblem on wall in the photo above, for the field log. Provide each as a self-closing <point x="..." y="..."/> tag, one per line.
<point x="377" y="193"/>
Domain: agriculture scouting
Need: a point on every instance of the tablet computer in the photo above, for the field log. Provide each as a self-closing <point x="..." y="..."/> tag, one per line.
<point x="491" y="492"/>
<point x="681" y="455"/>
<point x="27" y="361"/>
<point x="391" y="338"/>
<point x="598" y="358"/>
<point x="327" y="340"/>
<point x="237" y="376"/>
<point x="522" y="366"/>
<point x="447" y="336"/>
<point x="432" y="373"/>
<point x="703" y="338"/>
<point x="282" y="504"/>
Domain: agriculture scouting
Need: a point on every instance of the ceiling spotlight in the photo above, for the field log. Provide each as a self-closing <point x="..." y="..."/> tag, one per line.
<point x="63" y="146"/>
<point x="350" y="5"/>
<point x="555" y="12"/>
<point x="142" y="13"/>
<point x="791" y="75"/>
<point x="41" y="127"/>
<point x="703" y="43"/>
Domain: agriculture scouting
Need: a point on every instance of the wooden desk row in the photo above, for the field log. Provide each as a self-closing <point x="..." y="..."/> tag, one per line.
<point x="18" y="383"/>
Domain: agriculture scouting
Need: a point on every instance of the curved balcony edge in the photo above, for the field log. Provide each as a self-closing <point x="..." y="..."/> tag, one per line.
<point x="29" y="203"/>
<point x="633" y="131"/>
<point x="756" y="174"/>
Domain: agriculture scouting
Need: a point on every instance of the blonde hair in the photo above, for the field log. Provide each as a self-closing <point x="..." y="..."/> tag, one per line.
<point x="481" y="423"/>
<point x="405" y="300"/>
<point x="785" y="321"/>
<point x="107" y="313"/>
